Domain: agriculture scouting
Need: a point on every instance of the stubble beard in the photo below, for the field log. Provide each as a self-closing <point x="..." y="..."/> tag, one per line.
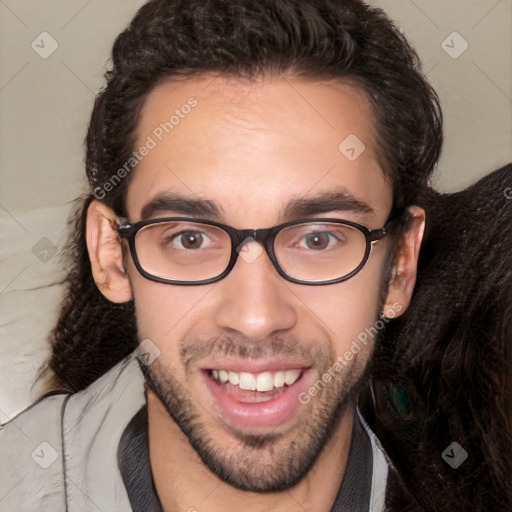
<point x="261" y="463"/>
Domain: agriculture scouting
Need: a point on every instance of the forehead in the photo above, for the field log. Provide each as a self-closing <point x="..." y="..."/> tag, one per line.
<point x="253" y="146"/>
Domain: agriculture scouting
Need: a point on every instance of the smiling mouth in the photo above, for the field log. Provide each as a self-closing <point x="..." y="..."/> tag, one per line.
<point x="247" y="400"/>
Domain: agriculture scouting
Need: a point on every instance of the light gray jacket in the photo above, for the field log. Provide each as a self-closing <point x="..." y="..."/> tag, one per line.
<point x="61" y="454"/>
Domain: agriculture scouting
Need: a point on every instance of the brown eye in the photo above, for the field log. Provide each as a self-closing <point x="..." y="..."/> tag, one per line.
<point x="190" y="239"/>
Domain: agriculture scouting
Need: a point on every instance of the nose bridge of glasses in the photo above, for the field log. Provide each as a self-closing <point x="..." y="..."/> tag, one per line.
<point x="243" y="243"/>
<point x="245" y="236"/>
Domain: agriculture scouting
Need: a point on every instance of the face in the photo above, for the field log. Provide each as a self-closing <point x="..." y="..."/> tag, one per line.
<point x="251" y="151"/>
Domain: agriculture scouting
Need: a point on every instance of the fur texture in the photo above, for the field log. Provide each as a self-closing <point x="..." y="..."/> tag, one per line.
<point x="451" y="352"/>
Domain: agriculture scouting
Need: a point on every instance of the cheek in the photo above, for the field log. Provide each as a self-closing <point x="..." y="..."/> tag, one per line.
<point x="165" y="312"/>
<point x="348" y="311"/>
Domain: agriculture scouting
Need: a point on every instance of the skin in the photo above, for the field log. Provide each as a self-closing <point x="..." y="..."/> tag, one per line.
<point x="252" y="147"/>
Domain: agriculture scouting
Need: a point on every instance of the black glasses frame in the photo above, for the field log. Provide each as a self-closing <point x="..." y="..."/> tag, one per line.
<point x="264" y="236"/>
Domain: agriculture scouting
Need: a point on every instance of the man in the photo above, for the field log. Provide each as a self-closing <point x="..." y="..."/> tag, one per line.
<point x="254" y="168"/>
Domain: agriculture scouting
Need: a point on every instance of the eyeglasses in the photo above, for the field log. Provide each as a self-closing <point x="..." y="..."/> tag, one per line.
<point x="188" y="251"/>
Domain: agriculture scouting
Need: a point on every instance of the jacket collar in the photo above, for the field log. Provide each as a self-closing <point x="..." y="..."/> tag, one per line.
<point x="134" y="464"/>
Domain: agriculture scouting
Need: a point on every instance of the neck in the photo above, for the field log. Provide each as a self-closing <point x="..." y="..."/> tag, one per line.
<point x="184" y="483"/>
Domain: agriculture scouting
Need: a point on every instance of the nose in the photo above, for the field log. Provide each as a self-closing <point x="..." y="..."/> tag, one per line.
<point x="254" y="300"/>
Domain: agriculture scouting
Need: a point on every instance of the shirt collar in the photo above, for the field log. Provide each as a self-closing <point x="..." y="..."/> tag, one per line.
<point x="134" y="466"/>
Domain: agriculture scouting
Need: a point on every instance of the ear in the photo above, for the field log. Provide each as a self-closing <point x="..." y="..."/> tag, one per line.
<point x="105" y="253"/>
<point x="404" y="273"/>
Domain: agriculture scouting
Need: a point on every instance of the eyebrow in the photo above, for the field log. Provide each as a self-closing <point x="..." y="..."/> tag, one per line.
<point x="172" y="202"/>
<point x="340" y="200"/>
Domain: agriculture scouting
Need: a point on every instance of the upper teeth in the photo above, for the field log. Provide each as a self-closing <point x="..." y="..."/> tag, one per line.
<point x="265" y="381"/>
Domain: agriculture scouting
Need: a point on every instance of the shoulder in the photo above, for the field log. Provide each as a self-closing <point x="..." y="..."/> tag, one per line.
<point x="65" y="438"/>
<point x="31" y="448"/>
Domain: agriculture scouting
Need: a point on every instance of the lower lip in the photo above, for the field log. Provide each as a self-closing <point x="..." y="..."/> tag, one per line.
<point x="276" y="411"/>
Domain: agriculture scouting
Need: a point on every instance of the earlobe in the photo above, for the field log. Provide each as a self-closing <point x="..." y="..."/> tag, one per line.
<point x="105" y="253"/>
<point x="404" y="274"/>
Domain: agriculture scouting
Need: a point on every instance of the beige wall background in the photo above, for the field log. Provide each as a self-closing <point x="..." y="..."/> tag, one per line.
<point x="53" y="55"/>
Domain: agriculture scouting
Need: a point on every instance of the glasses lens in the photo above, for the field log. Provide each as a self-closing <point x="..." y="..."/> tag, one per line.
<point x="320" y="251"/>
<point x="183" y="251"/>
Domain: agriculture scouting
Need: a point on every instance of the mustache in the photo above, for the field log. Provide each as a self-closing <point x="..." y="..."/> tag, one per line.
<point x="312" y="353"/>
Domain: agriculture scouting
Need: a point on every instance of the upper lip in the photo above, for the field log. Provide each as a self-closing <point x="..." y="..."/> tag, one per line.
<point x="254" y="366"/>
